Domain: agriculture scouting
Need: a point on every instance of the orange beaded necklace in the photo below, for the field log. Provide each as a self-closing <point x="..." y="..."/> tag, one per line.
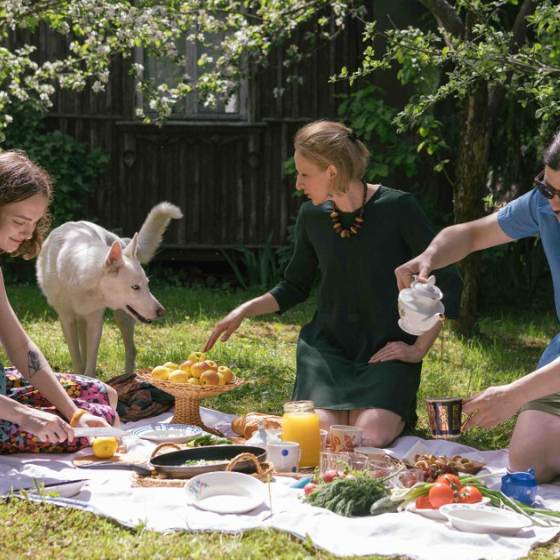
<point x="355" y="226"/>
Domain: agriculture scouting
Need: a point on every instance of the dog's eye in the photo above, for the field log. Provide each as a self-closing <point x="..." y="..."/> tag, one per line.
<point x="135" y="287"/>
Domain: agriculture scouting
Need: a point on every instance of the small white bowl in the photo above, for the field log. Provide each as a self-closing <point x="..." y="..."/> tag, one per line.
<point x="476" y="518"/>
<point x="225" y="492"/>
<point x="65" y="489"/>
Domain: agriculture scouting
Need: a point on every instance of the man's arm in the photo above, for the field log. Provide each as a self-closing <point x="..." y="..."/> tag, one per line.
<point x="496" y="404"/>
<point x="451" y="245"/>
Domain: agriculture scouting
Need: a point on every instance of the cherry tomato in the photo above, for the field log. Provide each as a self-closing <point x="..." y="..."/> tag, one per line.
<point x="329" y="476"/>
<point x="441" y="494"/>
<point x="423" y="502"/>
<point x="451" y="480"/>
<point x="470" y="495"/>
<point x="309" y="488"/>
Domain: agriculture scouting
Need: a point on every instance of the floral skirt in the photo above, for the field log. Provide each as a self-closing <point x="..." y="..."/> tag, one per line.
<point x="87" y="393"/>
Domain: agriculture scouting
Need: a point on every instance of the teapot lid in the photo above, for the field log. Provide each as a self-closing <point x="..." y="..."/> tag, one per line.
<point x="428" y="288"/>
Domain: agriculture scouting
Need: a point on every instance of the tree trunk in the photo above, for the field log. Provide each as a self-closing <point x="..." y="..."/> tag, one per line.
<point x="470" y="184"/>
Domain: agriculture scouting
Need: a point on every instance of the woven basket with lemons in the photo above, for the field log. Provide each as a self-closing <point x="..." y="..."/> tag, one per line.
<point x="195" y="379"/>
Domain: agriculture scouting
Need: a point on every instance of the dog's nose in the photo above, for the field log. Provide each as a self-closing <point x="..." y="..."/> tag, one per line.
<point x="160" y="312"/>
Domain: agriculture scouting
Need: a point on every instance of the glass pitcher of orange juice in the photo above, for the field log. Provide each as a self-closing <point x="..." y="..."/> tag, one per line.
<point x="301" y="423"/>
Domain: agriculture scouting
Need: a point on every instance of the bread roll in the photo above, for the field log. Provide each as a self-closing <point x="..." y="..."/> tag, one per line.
<point x="247" y="424"/>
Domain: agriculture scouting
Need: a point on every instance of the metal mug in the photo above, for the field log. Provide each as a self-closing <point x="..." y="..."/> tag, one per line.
<point x="445" y="417"/>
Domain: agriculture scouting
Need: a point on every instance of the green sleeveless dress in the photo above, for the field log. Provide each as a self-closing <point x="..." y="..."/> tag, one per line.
<point x="357" y="309"/>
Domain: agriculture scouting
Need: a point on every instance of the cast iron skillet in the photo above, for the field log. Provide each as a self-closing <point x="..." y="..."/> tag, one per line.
<point x="172" y="464"/>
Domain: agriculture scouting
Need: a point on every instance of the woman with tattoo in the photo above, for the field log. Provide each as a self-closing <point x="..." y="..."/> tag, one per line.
<point x="38" y="408"/>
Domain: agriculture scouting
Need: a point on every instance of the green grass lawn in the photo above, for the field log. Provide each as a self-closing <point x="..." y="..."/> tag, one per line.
<point x="263" y="353"/>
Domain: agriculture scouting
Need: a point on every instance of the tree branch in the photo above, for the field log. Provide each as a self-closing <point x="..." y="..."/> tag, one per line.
<point x="519" y="29"/>
<point x="445" y="15"/>
<point x="519" y="34"/>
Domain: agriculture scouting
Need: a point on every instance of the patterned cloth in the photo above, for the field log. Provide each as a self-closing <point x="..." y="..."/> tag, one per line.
<point x="139" y="399"/>
<point x="87" y="393"/>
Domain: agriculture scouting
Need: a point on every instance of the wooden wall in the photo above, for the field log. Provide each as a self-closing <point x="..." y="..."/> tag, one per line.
<point x="227" y="176"/>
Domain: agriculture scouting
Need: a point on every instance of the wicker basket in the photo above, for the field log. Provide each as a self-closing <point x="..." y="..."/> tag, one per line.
<point x="187" y="398"/>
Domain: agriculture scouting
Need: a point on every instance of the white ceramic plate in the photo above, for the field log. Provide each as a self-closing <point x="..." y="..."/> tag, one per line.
<point x="437" y="514"/>
<point x="170" y="433"/>
<point x="225" y="492"/>
<point x="477" y="518"/>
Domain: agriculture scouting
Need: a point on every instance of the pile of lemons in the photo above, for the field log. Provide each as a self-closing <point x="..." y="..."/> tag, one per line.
<point x="195" y="370"/>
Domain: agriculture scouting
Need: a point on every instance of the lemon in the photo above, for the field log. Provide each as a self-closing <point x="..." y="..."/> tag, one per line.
<point x="161" y="372"/>
<point x="179" y="376"/>
<point x="104" y="447"/>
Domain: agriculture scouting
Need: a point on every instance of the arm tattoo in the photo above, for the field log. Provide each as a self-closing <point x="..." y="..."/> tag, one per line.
<point x="33" y="363"/>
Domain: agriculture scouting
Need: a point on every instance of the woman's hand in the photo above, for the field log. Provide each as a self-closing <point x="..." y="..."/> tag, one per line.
<point x="45" y="426"/>
<point x="491" y="407"/>
<point x="226" y="327"/>
<point x="400" y="351"/>
<point x="92" y="421"/>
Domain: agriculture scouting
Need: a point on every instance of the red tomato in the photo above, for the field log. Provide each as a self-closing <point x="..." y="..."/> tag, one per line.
<point x="329" y="476"/>
<point x="451" y="480"/>
<point x="309" y="488"/>
<point x="441" y="494"/>
<point x="470" y="495"/>
<point x="423" y="502"/>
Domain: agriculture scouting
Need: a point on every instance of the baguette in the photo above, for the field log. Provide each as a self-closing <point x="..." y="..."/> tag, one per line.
<point x="247" y="424"/>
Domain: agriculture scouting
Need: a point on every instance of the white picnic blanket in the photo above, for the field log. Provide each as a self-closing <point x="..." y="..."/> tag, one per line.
<point x="110" y="493"/>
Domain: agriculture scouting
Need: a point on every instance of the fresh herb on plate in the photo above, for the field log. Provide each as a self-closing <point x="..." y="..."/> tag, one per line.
<point x="350" y="496"/>
<point x="207" y="439"/>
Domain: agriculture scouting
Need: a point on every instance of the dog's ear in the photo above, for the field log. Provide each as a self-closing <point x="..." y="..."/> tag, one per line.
<point x="131" y="250"/>
<point x="113" y="260"/>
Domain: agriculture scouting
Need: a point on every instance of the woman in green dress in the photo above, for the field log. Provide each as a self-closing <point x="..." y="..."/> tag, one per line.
<point x="353" y="360"/>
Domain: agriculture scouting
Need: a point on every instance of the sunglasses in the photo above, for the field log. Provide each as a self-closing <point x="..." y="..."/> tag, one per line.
<point x="544" y="188"/>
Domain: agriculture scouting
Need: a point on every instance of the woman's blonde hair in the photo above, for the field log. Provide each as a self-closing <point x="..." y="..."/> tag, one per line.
<point x="21" y="178"/>
<point x="327" y="143"/>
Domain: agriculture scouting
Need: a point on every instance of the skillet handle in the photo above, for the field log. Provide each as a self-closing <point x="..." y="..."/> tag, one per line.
<point x="156" y="450"/>
<point x="140" y="469"/>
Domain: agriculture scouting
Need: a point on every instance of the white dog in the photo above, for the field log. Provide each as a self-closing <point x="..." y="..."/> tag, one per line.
<point x="83" y="269"/>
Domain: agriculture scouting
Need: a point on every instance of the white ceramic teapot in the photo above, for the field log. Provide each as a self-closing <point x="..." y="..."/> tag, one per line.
<point x="420" y="307"/>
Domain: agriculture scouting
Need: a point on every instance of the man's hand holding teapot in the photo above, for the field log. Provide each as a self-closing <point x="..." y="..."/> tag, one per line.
<point x="418" y="268"/>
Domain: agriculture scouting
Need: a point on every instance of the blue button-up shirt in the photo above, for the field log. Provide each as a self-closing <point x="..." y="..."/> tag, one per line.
<point x="531" y="215"/>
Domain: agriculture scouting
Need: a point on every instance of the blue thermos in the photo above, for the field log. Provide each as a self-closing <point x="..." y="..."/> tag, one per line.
<point x="521" y="486"/>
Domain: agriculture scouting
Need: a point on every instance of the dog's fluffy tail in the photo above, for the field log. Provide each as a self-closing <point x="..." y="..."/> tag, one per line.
<point x="153" y="228"/>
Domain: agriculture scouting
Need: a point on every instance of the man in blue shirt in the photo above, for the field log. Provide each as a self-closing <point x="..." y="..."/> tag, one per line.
<point x="535" y="439"/>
